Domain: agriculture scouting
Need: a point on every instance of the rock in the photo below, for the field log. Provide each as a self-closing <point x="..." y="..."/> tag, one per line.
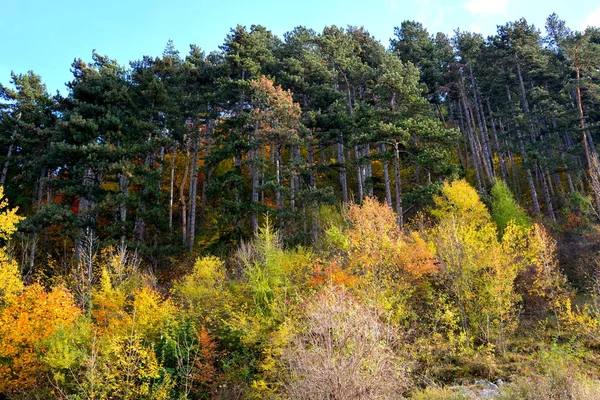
<point x="487" y="385"/>
<point x="488" y="390"/>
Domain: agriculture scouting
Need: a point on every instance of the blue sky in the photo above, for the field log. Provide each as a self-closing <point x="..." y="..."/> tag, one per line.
<point x="45" y="36"/>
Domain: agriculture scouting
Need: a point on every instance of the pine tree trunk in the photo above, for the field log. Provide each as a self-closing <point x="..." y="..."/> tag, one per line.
<point x="171" y="189"/>
<point x="6" y="163"/>
<point x="140" y="224"/>
<point x="294" y="181"/>
<point x="483" y="131"/>
<point x="386" y="174"/>
<point x="463" y="130"/>
<point x="262" y="181"/>
<point x="369" y="171"/>
<point x="254" y="194"/>
<point x="532" y="189"/>
<point x="342" y="162"/>
<point x="313" y="187"/>
<point x="550" y="184"/>
<point x="547" y="197"/>
<point x="278" y="162"/>
<point x="38" y="206"/>
<point x="161" y="158"/>
<point x="501" y="157"/>
<point x="83" y="212"/>
<point x="560" y="190"/>
<point x="254" y="156"/>
<point x="193" y="197"/>
<point x="534" y="198"/>
<point x="479" y="141"/>
<point x="310" y="154"/>
<point x="399" y="211"/>
<point x="474" y="149"/>
<point x="570" y="182"/>
<point x="206" y="171"/>
<point x="182" y="201"/>
<point x="272" y="148"/>
<point x="523" y="92"/>
<point x="359" y="172"/>
<point x="124" y="191"/>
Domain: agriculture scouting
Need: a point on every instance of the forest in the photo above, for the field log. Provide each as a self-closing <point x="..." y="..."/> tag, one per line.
<point x="317" y="216"/>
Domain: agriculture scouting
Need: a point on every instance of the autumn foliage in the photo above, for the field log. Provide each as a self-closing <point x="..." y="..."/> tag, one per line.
<point x="24" y="327"/>
<point x="375" y="309"/>
<point x="378" y="245"/>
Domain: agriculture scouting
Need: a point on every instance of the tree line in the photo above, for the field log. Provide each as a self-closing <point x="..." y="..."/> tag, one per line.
<point x="181" y="152"/>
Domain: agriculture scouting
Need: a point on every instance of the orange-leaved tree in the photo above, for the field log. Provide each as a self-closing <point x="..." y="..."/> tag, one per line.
<point x="275" y="120"/>
<point x="25" y="326"/>
<point x="378" y="246"/>
<point x="389" y="264"/>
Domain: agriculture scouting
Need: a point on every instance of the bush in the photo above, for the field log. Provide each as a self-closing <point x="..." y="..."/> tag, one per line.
<point x="343" y="352"/>
<point x="506" y="209"/>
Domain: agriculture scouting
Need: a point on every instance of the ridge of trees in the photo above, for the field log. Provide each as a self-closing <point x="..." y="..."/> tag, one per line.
<point x="175" y="152"/>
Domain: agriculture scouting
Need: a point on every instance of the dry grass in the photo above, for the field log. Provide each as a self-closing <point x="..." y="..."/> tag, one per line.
<point x="558" y="385"/>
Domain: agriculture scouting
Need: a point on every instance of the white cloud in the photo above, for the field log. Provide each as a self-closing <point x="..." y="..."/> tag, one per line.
<point x="593" y="19"/>
<point x="486" y="6"/>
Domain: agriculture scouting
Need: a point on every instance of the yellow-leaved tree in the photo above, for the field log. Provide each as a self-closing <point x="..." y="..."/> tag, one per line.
<point x="478" y="269"/>
<point x="10" y="277"/>
<point x="130" y="318"/>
